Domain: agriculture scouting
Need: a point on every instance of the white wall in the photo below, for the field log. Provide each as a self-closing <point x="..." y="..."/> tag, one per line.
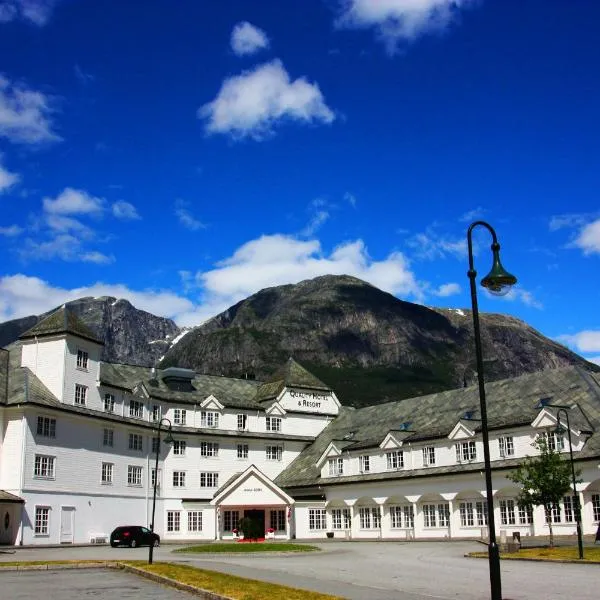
<point x="46" y="359"/>
<point x="11" y="451"/>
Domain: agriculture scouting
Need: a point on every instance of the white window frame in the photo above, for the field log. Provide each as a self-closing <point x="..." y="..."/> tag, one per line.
<point x="242" y="422"/>
<point x="341" y="518"/>
<point x="277" y="519"/>
<point x="134" y="475"/>
<point x="80" y="394"/>
<point x="194" y="520"/>
<point x="109" y="403"/>
<point x="155" y="414"/>
<point x="209" y="479"/>
<point x="428" y="456"/>
<point x="370" y="517"/>
<point x="242" y="451"/>
<point x="173" y="521"/>
<point x="153" y="472"/>
<point x="402" y="516"/>
<point x="364" y="463"/>
<point x="41" y="525"/>
<point x="473" y="513"/>
<point x="209" y="419"/>
<point x="179" y="447"/>
<point x="317" y="519"/>
<point x="506" y="446"/>
<point x="46" y="426"/>
<point x="136" y="409"/>
<point x="44" y="466"/>
<point x="136" y="442"/>
<point x="466" y="451"/>
<point x="179" y="416"/>
<point x="274" y="453"/>
<point x="336" y="466"/>
<point x="394" y="460"/>
<point x="106" y="475"/>
<point x="178" y="479"/>
<point x="82" y="359"/>
<point x="209" y="449"/>
<point x="596" y="507"/>
<point x="108" y="437"/>
<point x="273" y="423"/>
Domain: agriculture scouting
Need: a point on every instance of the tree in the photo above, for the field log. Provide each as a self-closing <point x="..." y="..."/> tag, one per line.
<point x="544" y="480"/>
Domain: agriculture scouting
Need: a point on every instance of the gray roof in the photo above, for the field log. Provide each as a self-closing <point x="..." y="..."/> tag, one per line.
<point x="510" y="402"/>
<point x="60" y="321"/>
<point x="4" y="362"/>
<point x="7" y="497"/>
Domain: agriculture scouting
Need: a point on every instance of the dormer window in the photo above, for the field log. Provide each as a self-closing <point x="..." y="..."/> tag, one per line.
<point x="179" y="416"/>
<point x="395" y="460"/>
<point x="82" y="360"/>
<point x="428" y="456"/>
<point x="273" y="424"/>
<point x="242" y="422"/>
<point x="506" y="446"/>
<point x="336" y="466"/>
<point x="466" y="451"/>
<point x="364" y="463"/>
<point x="136" y="409"/>
<point x="209" y="418"/>
<point x="554" y="441"/>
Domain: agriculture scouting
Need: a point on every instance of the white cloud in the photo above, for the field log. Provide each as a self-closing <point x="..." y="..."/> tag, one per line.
<point x="188" y="220"/>
<point x="25" y="114"/>
<point x="21" y="296"/>
<point x="248" y="39"/>
<point x="589" y="238"/>
<point x="472" y="215"/>
<point x="399" y="20"/>
<point x="522" y="295"/>
<point x="72" y="202"/>
<point x="594" y="359"/>
<point x="567" y="220"/>
<point x="35" y="11"/>
<point x="251" y="104"/>
<point x="430" y="245"/>
<point x="584" y="341"/>
<point x="125" y="211"/>
<point x="447" y="289"/>
<point x="11" y="231"/>
<point x="7" y="179"/>
<point x="62" y="224"/>
<point x="317" y="221"/>
<point x="351" y="199"/>
<point x="97" y="258"/>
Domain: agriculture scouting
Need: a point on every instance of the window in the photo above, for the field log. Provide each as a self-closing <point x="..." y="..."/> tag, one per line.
<point x="109" y="403"/>
<point x="107" y="473"/>
<point x="80" y="394"/>
<point x="395" y="460"/>
<point x="569" y="503"/>
<point x="156" y="413"/>
<point x="46" y="427"/>
<point x="507" y="512"/>
<point x="134" y="475"/>
<point x="341" y="518"/>
<point x="429" y="515"/>
<point x="179" y="416"/>
<point x="273" y="423"/>
<point x="82" y="360"/>
<point x="472" y="514"/>
<point x="596" y="506"/>
<point x="136" y="441"/>
<point x="242" y="422"/>
<point x="179" y="448"/>
<point x="370" y="517"/>
<point x="178" y="478"/>
<point x="428" y="456"/>
<point x="210" y="449"/>
<point x="555" y="442"/>
<point x="444" y="514"/>
<point x="274" y="452"/>
<point x="507" y="446"/>
<point x="466" y="451"/>
<point x="555" y="513"/>
<point x="336" y="466"/>
<point x="231" y="519"/>
<point x="108" y="437"/>
<point x="42" y="520"/>
<point x="209" y="419"/>
<point x="364" y="463"/>
<point x="155" y="447"/>
<point x="173" y="520"/>
<point x="136" y="409"/>
<point x="242" y="450"/>
<point x="153" y="478"/>
<point x="403" y="517"/>
<point x="277" y="520"/>
<point x="525" y="515"/>
<point x="44" y="466"/>
<point x="317" y="519"/>
<point x="209" y="480"/>
<point x="194" y="520"/>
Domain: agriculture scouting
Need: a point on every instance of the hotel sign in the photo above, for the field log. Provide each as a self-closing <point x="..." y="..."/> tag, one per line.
<point x="305" y="401"/>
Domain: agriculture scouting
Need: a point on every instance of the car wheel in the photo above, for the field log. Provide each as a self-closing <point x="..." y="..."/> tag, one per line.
<point x="133" y="544"/>
<point x="113" y="545"/>
<point x="156" y="543"/>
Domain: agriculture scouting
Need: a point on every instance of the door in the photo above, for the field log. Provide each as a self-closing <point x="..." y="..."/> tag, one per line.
<point x="67" y="523"/>
<point x="6" y="526"/>
<point x="258" y="516"/>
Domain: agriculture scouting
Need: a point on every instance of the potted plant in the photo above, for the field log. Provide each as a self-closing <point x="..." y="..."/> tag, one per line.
<point x="270" y="533"/>
<point x="329" y="534"/>
<point x="235" y="532"/>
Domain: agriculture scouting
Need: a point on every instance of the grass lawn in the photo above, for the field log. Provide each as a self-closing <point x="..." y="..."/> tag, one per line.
<point x="248" y="548"/>
<point x="569" y="553"/>
<point x="228" y="585"/>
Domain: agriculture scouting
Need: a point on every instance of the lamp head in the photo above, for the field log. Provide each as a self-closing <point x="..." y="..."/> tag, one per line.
<point x="169" y="437"/>
<point x="498" y="281"/>
<point x="559" y="430"/>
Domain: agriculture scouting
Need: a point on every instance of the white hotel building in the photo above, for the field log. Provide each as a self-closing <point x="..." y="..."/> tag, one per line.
<point x="77" y="437"/>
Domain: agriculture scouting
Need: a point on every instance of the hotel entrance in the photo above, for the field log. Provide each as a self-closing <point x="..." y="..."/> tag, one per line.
<point x="258" y="516"/>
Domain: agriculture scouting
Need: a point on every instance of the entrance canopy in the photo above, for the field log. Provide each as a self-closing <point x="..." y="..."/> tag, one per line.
<point x="10" y="498"/>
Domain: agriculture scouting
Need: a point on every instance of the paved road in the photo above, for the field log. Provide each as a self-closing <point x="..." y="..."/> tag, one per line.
<point x="376" y="570"/>
<point x="96" y="584"/>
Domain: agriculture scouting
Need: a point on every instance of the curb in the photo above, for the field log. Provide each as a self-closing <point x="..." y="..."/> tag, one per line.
<point x="573" y="561"/>
<point x="59" y="567"/>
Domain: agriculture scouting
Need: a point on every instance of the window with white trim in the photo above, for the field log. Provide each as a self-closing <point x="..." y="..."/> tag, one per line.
<point x="436" y="515"/>
<point x="208" y="479"/>
<point x="554" y="441"/>
<point x="596" y="507"/>
<point x="508" y="514"/>
<point x="525" y="515"/>
<point x="341" y="518"/>
<point x="209" y="449"/>
<point x="136" y="409"/>
<point x="428" y="456"/>
<point x="82" y="359"/>
<point x="555" y="513"/>
<point x="317" y="519"/>
<point x="274" y="452"/>
<point x="209" y="418"/>
<point x="506" y="446"/>
<point x="443" y="514"/>
<point x="179" y="447"/>
<point x="466" y="451"/>
<point x="134" y="475"/>
<point x="108" y="437"/>
<point x="155" y="444"/>
<point x="46" y="427"/>
<point x="403" y="516"/>
<point x="473" y="514"/>
<point x="173" y="520"/>
<point x="273" y="423"/>
<point x="370" y="517"/>
<point x="179" y="416"/>
<point x="194" y="520"/>
<point x="569" y="508"/>
<point x="153" y="478"/>
<point x="242" y="422"/>
<point x="44" y="466"/>
<point x="395" y="460"/>
<point x="277" y="519"/>
<point x="109" y="403"/>
<point x="80" y="394"/>
<point x="231" y="520"/>
<point x="42" y="520"/>
<point x="336" y="466"/>
<point x="364" y="463"/>
<point x="178" y="478"/>
<point x="155" y="413"/>
<point x="107" y="473"/>
<point x="242" y="451"/>
<point x="136" y="442"/>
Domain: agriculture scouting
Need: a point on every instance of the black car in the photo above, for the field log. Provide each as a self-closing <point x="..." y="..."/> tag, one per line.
<point x="133" y="536"/>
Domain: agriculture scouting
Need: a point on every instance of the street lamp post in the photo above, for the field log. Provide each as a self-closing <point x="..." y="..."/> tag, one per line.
<point x="168" y="440"/>
<point x="498" y="282"/>
<point x="577" y="507"/>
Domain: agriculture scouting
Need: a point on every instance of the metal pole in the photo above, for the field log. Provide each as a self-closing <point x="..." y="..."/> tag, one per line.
<point x="151" y="549"/>
<point x="493" y="551"/>
<point x="577" y="507"/>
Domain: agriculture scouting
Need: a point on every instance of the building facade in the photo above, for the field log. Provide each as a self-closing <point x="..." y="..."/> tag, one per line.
<point x="78" y="446"/>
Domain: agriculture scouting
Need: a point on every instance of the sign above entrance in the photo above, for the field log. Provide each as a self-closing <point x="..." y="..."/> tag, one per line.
<point x="324" y="403"/>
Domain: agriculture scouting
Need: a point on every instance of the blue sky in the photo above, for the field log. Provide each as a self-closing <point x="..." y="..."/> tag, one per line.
<point x="185" y="154"/>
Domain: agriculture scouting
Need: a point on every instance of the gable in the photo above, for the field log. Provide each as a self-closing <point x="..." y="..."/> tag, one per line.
<point x="309" y="401"/>
<point x="252" y="488"/>
<point x="275" y="410"/>
<point x="211" y="403"/>
<point x="544" y="419"/>
<point x="390" y="442"/>
<point x="461" y="431"/>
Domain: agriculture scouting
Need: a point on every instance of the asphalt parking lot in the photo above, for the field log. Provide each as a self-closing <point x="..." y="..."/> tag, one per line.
<point x="368" y="570"/>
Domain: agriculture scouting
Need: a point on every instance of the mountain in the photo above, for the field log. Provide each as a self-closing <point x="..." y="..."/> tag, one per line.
<point x="130" y="335"/>
<point x="366" y="344"/>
